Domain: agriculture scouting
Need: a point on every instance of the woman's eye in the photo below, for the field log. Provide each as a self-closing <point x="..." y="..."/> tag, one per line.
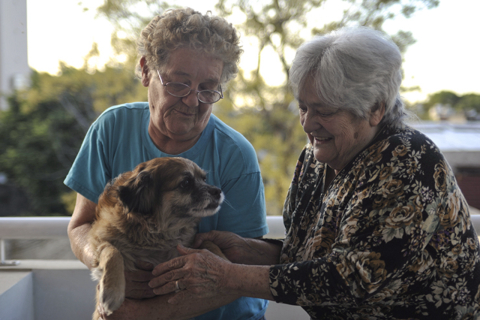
<point x="324" y="115"/>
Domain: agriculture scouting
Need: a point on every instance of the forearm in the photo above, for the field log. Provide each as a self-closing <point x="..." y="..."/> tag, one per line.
<point x="79" y="244"/>
<point x="260" y="252"/>
<point x="249" y="281"/>
<point x="79" y="227"/>
<point x="251" y="251"/>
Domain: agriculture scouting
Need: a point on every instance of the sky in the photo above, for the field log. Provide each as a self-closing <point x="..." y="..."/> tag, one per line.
<point x="445" y="56"/>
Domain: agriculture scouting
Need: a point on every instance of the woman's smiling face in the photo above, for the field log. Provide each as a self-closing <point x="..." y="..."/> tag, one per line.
<point x="336" y="135"/>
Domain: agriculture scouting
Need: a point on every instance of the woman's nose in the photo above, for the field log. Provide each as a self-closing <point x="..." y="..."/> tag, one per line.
<point x="309" y="123"/>
<point x="191" y="100"/>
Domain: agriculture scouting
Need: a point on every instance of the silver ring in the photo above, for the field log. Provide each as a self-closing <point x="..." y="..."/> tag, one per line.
<point x="177" y="288"/>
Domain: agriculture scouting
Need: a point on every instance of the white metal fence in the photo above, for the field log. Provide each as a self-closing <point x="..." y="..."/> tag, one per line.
<point x="56" y="227"/>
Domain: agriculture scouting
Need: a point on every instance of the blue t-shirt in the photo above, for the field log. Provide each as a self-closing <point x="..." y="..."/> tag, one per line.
<point x="118" y="141"/>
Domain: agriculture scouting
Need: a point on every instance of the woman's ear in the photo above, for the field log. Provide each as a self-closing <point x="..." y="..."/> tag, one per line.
<point x="377" y="114"/>
<point x="145" y="73"/>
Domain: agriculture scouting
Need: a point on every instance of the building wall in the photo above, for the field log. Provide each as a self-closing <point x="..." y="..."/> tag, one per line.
<point x="469" y="182"/>
<point x="466" y="166"/>
<point x="14" y="69"/>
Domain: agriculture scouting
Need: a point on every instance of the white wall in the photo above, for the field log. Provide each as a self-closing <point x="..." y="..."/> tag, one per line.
<point x="16" y="295"/>
<point x="14" y="69"/>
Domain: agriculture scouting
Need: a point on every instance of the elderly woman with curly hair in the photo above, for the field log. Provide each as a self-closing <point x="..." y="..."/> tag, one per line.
<point x="377" y="227"/>
<point x="185" y="60"/>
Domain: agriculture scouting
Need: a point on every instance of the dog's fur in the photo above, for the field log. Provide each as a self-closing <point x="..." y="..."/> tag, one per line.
<point x="143" y="215"/>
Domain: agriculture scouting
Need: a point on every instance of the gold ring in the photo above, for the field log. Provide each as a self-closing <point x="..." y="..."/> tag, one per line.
<point x="177" y="288"/>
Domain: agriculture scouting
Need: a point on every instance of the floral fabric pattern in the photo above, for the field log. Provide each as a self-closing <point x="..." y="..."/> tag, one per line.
<point x="389" y="238"/>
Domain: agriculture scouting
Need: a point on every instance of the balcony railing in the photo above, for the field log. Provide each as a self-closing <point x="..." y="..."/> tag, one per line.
<point x="62" y="289"/>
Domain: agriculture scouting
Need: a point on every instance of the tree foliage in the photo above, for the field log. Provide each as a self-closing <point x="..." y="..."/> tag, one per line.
<point x="50" y="119"/>
<point x="267" y="115"/>
<point x="468" y="104"/>
<point x="442" y="97"/>
<point x="42" y="131"/>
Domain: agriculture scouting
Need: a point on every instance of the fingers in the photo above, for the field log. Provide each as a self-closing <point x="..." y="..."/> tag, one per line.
<point x="212" y="247"/>
<point x="168" y="277"/>
<point x="175" y="263"/>
<point x="184" y="250"/>
<point x="167" y="273"/>
<point x="200" y="237"/>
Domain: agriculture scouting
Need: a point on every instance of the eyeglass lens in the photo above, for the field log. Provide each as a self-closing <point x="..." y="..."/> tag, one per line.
<point x="182" y="90"/>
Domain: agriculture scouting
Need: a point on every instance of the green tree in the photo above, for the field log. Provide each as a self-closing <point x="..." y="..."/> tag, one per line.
<point x="267" y="115"/>
<point x="469" y="104"/>
<point x="442" y="97"/>
<point x="42" y="131"/>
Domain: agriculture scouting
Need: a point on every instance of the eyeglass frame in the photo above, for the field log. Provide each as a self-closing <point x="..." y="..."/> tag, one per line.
<point x="186" y="85"/>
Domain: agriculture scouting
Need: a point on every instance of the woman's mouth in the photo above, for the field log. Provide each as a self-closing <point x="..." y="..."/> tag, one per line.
<point x="321" y="140"/>
<point x="186" y="114"/>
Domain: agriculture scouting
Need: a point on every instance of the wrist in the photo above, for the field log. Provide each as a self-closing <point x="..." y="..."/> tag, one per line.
<point x="248" y="281"/>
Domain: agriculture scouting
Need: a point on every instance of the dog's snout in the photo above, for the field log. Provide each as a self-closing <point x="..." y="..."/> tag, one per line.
<point x="215" y="192"/>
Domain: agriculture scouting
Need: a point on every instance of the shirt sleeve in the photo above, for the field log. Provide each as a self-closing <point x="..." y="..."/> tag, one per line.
<point x="387" y="217"/>
<point x="91" y="171"/>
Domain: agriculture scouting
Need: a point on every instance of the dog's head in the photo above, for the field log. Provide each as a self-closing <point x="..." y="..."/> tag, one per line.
<point x="167" y="186"/>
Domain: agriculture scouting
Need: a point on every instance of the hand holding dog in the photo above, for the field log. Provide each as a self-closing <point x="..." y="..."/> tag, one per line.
<point x="137" y="281"/>
<point x="196" y="273"/>
<point x="234" y="247"/>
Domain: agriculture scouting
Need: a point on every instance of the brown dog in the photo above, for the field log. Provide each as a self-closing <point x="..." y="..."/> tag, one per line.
<point x="143" y="215"/>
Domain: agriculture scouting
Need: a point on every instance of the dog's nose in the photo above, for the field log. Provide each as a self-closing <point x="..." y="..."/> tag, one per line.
<point x="215" y="192"/>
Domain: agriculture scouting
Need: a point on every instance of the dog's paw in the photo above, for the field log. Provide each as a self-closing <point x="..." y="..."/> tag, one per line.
<point x="110" y="298"/>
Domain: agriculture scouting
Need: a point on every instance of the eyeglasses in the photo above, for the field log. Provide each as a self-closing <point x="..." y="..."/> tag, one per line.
<point x="180" y="90"/>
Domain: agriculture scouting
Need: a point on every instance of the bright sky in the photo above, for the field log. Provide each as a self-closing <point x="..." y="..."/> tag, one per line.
<point x="445" y="56"/>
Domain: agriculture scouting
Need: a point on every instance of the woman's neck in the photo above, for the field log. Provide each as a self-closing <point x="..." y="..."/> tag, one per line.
<point x="169" y="145"/>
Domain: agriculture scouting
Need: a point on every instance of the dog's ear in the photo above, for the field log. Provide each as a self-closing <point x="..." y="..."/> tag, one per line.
<point x="138" y="194"/>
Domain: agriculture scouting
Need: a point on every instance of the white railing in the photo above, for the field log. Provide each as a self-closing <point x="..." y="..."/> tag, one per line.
<point x="56" y="227"/>
<point x="35" y="290"/>
<point x="30" y="228"/>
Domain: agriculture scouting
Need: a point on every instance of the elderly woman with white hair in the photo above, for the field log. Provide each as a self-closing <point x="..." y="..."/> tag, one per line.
<point x="377" y="226"/>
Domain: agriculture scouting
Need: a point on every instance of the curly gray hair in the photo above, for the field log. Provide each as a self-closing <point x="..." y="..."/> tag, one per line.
<point x="188" y="28"/>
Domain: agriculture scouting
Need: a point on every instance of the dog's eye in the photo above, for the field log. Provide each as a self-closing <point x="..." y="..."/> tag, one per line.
<point x="186" y="183"/>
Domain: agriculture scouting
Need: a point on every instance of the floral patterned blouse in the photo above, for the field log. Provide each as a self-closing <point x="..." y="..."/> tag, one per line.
<point x="389" y="238"/>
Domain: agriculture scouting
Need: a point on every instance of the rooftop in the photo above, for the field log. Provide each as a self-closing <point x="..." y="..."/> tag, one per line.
<point x="452" y="137"/>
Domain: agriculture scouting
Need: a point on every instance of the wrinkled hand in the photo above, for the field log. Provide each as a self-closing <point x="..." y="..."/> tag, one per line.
<point x="137" y="281"/>
<point x="195" y="274"/>
<point x="234" y="247"/>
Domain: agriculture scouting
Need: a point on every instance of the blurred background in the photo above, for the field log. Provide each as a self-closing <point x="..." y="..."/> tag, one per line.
<point x="63" y="62"/>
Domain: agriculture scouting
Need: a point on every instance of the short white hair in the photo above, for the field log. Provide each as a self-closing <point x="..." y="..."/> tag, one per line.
<point x="353" y="69"/>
